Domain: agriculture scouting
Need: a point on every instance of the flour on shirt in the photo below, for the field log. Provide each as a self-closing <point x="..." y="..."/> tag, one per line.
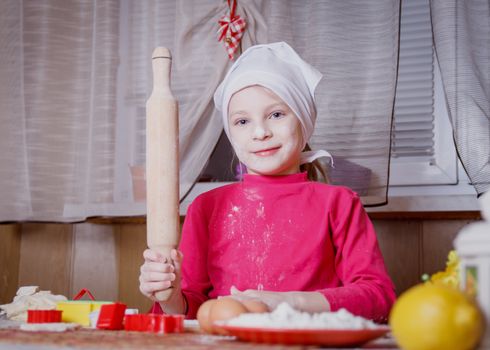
<point x="233" y="221"/>
<point x="284" y="316"/>
<point x="252" y="194"/>
<point x="260" y="211"/>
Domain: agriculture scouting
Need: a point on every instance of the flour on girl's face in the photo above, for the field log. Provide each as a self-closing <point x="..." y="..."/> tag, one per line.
<point x="264" y="132"/>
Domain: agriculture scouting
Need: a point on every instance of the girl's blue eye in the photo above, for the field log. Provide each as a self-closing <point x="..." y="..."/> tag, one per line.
<point x="240" y="122"/>
<point x="277" y="115"/>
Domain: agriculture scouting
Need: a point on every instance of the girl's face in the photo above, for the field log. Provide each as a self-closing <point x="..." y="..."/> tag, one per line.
<point x="264" y="131"/>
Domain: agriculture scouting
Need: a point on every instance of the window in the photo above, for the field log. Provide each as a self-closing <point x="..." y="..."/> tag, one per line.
<point x="425" y="174"/>
<point x="422" y="149"/>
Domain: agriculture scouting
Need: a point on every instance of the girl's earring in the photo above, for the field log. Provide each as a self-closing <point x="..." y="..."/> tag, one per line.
<point x="240" y="170"/>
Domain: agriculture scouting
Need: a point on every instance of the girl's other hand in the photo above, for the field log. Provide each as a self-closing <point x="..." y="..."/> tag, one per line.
<point x="271" y="299"/>
<point x="302" y="301"/>
<point x="159" y="273"/>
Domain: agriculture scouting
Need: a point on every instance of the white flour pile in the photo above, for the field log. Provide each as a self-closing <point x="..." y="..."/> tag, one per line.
<point x="30" y="297"/>
<point x="284" y="316"/>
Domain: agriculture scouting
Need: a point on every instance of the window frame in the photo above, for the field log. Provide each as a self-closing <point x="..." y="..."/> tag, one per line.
<point x="441" y="185"/>
<point x="443" y="169"/>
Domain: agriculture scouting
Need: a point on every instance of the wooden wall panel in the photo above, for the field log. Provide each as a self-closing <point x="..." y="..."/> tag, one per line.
<point x="438" y="241"/>
<point x="131" y="244"/>
<point x="106" y="258"/>
<point x="10" y="236"/>
<point x="399" y="242"/>
<point x="95" y="261"/>
<point x="46" y="257"/>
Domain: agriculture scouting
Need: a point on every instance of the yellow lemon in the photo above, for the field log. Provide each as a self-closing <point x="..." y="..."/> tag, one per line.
<point x="434" y="317"/>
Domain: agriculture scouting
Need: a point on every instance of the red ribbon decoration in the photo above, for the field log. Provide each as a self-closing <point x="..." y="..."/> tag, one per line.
<point x="231" y="29"/>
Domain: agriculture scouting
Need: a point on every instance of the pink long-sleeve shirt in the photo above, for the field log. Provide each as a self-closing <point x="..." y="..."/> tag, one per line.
<point x="284" y="233"/>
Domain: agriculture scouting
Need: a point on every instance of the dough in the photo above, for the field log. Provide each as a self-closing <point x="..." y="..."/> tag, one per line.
<point x="30" y="298"/>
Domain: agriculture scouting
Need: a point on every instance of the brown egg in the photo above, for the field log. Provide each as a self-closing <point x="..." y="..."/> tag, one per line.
<point x="224" y="309"/>
<point x="203" y="315"/>
<point x="255" y="306"/>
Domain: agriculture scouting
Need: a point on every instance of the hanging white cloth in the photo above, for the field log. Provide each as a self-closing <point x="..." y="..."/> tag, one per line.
<point x="462" y="43"/>
<point x="77" y="76"/>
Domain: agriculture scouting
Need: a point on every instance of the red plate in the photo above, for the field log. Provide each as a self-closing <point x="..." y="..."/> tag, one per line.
<point x="326" y="337"/>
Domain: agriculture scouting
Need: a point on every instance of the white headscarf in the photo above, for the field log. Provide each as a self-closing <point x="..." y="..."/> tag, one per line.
<point x="279" y="68"/>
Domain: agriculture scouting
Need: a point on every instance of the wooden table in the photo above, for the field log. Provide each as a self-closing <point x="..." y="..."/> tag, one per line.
<point x="88" y="339"/>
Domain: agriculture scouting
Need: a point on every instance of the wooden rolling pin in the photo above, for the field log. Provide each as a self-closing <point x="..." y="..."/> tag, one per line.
<point x="162" y="162"/>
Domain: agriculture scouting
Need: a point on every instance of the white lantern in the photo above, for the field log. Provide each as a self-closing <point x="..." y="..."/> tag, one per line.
<point x="473" y="247"/>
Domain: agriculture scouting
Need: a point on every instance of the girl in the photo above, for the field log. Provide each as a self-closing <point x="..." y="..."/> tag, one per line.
<point x="275" y="236"/>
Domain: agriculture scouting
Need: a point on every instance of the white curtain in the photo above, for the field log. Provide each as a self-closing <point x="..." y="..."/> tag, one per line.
<point x="188" y="29"/>
<point x="355" y="98"/>
<point x="78" y="74"/>
<point x="462" y="42"/>
<point x="58" y="63"/>
<point x="355" y="45"/>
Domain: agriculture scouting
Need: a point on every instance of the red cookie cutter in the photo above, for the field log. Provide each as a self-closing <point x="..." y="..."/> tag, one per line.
<point x="43" y="316"/>
<point x="154" y="323"/>
<point x="137" y="323"/>
<point x="111" y="316"/>
<point x="82" y="292"/>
